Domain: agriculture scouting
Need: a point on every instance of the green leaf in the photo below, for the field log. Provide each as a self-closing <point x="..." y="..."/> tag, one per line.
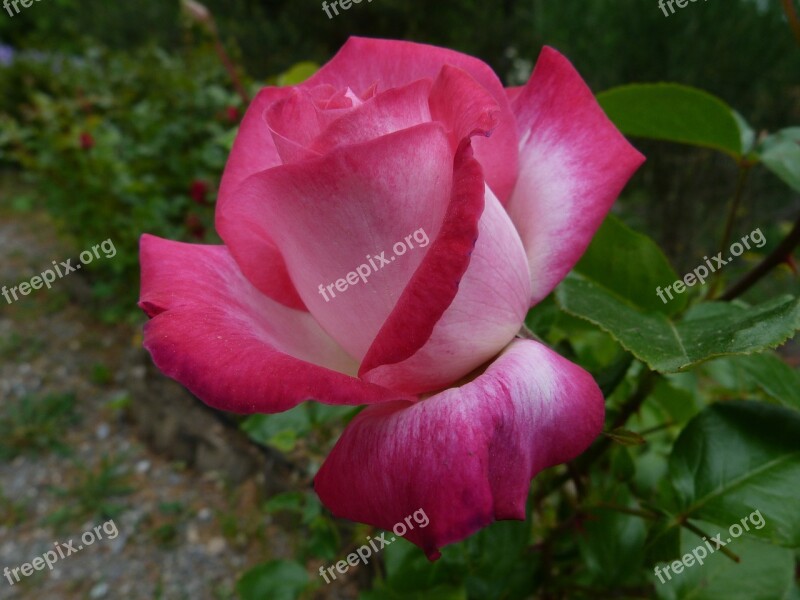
<point x="764" y="573"/>
<point x="677" y="402"/>
<point x="279" y="430"/>
<point x="629" y="264"/>
<point x="736" y="458"/>
<point x="277" y="580"/>
<point x="780" y="153"/>
<point x="667" y="346"/>
<point x="767" y="372"/>
<point x="444" y="592"/>
<point x="286" y="501"/>
<point x="674" y="113"/>
<point x="748" y="135"/>
<point x="298" y="73"/>
<point x="612" y="547"/>
<point x="408" y="570"/>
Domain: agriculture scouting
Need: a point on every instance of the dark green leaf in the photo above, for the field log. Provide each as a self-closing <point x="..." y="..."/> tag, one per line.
<point x="667" y="346"/>
<point x="764" y="573"/>
<point x="674" y="113"/>
<point x="612" y="546"/>
<point x="736" y="458"/>
<point x="631" y="265"/>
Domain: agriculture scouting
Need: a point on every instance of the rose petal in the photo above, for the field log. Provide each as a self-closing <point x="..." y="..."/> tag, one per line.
<point x="293" y="125"/>
<point x="234" y="348"/>
<point x="328" y="215"/>
<point x="362" y="62"/>
<point x="467" y="455"/>
<point x="465" y="106"/>
<point x="573" y="165"/>
<point x="490" y="306"/>
<point x="253" y="151"/>
<point x="394" y="110"/>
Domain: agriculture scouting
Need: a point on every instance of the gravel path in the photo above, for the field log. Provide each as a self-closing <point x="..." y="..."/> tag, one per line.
<point x="180" y="534"/>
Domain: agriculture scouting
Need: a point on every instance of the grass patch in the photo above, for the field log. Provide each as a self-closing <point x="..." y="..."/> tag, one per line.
<point x="20" y="348"/>
<point x="93" y="492"/>
<point x="36" y="425"/>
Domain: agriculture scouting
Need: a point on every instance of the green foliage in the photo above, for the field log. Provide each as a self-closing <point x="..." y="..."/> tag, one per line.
<point x="667" y="346"/>
<point x="36" y="425"/>
<point x="764" y="572"/>
<point x="282" y="430"/>
<point x="115" y="144"/>
<point x="277" y="579"/>
<point x="20" y="348"/>
<point x="320" y="536"/>
<point x="673" y="113"/>
<point x="631" y="265"/>
<point x="725" y="459"/>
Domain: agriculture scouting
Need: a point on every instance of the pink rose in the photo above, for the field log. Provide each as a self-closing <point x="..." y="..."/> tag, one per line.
<point x="388" y="139"/>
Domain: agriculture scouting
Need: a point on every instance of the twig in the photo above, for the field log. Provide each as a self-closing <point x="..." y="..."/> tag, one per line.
<point x="741" y="182"/>
<point x="776" y="257"/>
<point x="791" y="16"/>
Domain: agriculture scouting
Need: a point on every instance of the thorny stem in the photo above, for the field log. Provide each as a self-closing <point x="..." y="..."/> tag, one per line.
<point x="776" y="257"/>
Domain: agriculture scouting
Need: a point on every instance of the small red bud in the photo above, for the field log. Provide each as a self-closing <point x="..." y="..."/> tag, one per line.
<point x="198" y="190"/>
<point x="86" y="141"/>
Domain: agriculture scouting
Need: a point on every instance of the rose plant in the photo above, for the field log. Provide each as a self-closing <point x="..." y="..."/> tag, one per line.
<point x="387" y="138"/>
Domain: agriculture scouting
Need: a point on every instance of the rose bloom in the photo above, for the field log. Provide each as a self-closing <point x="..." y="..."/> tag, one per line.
<point x="388" y="138"/>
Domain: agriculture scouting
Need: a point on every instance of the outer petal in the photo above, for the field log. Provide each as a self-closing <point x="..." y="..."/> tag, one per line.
<point x="573" y="165"/>
<point x="363" y="62"/>
<point x="254" y="251"/>
<point x="234" y="348"/>
<point x="465" y="456"/>
<point x="329" y="215"/>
